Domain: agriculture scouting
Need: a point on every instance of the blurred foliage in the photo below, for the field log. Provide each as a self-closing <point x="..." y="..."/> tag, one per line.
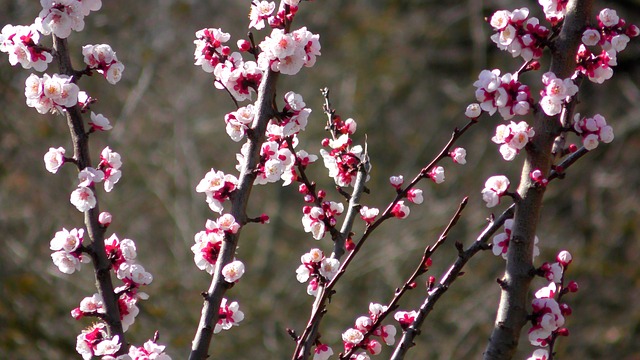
<point x="403" y="70"/>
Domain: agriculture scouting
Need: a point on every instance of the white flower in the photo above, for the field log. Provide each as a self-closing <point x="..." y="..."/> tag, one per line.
<point x="608" y="17"/>
<point x="67" y="240"/>
<point x="233" y="271"/>
<point x="107" y="347"/>
<point x="473" y="111"/>
<point x="590" y="37"/>
<point x="352" y="336"/>
<point x="459" y="155"/>
<point x="329" y="268"/>
<point x="83" y="199"/>
<point x="539" y="354"/>
<point x="53" y="159"/>
<point x="437" y="174"/>
<point x="100" y="122"/>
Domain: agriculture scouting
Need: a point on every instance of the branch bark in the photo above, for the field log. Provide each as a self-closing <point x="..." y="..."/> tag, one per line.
<point x="239" y="200"/>
<point x="512" y="311"/>
<point x="101" y="264"/>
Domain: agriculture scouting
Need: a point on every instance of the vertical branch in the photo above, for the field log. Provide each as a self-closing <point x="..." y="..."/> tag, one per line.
<point x="239" y="199"/>
<point x="512" y="311"/>
<point x="101" y="264"/>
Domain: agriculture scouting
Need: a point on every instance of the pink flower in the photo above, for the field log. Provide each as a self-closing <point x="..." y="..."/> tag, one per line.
<point x="150" y="350"/>
<point x="99" y="122"/>
<point x="400" y="210"/>
<point x="396" y="181"/>
<point x="459" y="155"/>
<point x="415" y="196"/>
<point x="494" y="188"/>
<point x="229" y="316"/>
<point x="54" y="159"/>
<point x="368" y="214"/>
<point x="83" y="199"/>
<point x="105" y="218"/>
<point x="260" y="10"/>
<point x="437" y="174"/>
<point x="322" y="352"/>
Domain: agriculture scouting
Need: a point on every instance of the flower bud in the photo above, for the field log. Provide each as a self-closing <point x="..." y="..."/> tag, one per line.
<point x="564" y="258"/>
<point x="473" y="111"/>
<point x="104" y="218"/>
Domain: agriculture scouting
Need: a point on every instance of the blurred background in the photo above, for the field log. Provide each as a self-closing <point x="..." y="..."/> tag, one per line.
<point x="403" y="70"/>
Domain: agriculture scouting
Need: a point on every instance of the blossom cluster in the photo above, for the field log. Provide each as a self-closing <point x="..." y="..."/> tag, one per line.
<point x="504" y="94"/>
<point x="317" y="269"/>
<point x="342" y="160"/>
<point x="238" y="77"/>
<point x="556" y="93"/>
<point x="108" y="171"/>
<point x="593" y="130"/>
<point x="61" y="16"/>
<point x="277" y="157"/>
<point x="512" y="138"/>
<point x="21" y="44"/>
<point x="95" y="341"/>
<point x="362" y="336"/>
<point x="549" y="314"/>
<point x="50" y="93"/>
<point x="122" y="256"/>
<point x="209" y="241"/>
<point x="287" y="53"/>
<point x="104" y="60"/>
<point x="315" y="218"/>
<point x="262" y="11"/>
<point x="517" y="35"/>
<point x="500" y="244"/>
<point x="67" y="247"/>
<point x="612" y="35"/>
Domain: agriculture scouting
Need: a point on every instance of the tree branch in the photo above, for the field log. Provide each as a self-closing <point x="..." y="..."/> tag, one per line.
<point x="512" y="311"/>
<point x="101" y="264"/>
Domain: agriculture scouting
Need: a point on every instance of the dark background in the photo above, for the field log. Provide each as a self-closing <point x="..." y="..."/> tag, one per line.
<point x="403" y="70"/>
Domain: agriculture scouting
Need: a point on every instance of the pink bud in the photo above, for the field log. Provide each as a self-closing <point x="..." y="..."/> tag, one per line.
<point x="565" y="309"/>
<point x="573" y="148"/>
<point x="264" y="219"/>
<point x="309" y="198"/>
<point x="325" y="142"/>
<point x="77" y="313"/>
<point x="303" y="189"/>
<point x="427" y="263"/>
<point x="412" y="285"/>
<point x="349" y="244"/>
<point x="225" y="51"/>
<point x="104" y="218"/>
<point x="573" y="286"/>
<point x="244" y="45"/>
<point x="306" y="209"/>
<point x="563" y="332"/>
<point x="430" y="282"/>
<point x="322" y="194"/>
<point x="633" y="31"/>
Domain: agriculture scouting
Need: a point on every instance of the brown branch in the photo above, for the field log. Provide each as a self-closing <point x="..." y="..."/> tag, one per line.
<point x="512" y="312"/>
<point x="410" y="283"/>
<point x="101" y="264"/>
<point x="239" y="200"/>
